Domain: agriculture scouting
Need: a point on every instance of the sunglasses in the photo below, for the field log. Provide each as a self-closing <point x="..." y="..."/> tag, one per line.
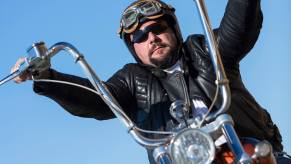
<point x="141" y="35"/>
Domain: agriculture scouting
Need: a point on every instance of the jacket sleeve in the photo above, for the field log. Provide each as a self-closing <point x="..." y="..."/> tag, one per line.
<point x="75" y="100"/>
<point x="239" y="29"/>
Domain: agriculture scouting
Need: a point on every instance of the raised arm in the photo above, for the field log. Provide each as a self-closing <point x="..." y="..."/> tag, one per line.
<point x="239" y="29"/>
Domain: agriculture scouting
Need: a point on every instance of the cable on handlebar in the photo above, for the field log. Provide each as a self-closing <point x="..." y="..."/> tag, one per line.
<point x="94" y="91"/>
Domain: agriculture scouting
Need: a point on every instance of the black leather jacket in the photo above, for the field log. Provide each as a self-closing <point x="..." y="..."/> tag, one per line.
<point x="144" y="99"/>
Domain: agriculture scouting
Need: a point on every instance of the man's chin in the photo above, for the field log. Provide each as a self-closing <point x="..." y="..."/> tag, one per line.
<point x="164" y="59"/>
<point x="163" y="63"/>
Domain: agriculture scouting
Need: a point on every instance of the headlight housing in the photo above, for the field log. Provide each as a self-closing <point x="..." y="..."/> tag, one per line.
<point x="192" y="146"/>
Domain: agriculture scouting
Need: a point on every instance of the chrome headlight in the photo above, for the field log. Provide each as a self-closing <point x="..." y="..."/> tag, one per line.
<point x="192" y="146"/>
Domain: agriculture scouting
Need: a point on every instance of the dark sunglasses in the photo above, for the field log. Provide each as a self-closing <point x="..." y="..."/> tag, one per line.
<point x="141" y="35"/>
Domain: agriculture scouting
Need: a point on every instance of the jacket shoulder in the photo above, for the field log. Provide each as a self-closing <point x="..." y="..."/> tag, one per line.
<point x="197" y="54"/>
<point x="195" y="42"/>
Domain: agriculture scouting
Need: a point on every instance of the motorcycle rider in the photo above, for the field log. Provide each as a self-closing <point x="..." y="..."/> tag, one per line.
<point x="146" y="89"/>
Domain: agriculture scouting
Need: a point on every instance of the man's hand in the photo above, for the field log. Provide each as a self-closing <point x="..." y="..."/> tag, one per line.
<point x="27" y="75"/>
<point x="24" y="76"/>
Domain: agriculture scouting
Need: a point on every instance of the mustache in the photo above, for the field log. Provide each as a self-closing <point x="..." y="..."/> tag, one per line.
<point x="156" y="45"/>
<point x="159" y="44"/>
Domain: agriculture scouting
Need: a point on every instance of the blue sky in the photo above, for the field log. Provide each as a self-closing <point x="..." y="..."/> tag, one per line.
<point x="36" y="130"/>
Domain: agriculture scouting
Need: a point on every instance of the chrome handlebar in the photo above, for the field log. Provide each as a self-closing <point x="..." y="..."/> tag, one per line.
<point x="38" y="60"/>
<point x="103" y="92"/>
<point x="221" y="80"/>
<point x="106" y="95"/>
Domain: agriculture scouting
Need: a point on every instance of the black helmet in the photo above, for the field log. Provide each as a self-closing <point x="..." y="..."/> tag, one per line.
<point x="141" y="11"/>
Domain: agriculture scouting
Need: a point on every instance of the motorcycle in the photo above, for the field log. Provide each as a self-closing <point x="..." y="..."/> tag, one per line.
<point x="210" y="139"/>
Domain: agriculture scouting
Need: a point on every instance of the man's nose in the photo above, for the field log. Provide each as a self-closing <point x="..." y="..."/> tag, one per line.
<point x="152" y="37"/>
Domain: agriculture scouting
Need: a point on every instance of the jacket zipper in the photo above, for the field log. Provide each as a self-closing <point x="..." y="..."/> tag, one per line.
<point x="180" y="77"/>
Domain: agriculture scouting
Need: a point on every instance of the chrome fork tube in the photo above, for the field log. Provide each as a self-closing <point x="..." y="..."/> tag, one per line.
<point x="235" y="145"/>
<point x="222" y="80"/>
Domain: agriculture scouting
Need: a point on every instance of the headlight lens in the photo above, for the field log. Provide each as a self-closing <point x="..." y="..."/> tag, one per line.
<point x="192" y="146"/>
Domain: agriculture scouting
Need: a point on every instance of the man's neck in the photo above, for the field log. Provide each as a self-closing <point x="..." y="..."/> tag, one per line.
<point x="175" y="67"/>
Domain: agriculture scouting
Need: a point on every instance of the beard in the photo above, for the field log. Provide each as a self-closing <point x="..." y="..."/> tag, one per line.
<point x="168" y="61"/>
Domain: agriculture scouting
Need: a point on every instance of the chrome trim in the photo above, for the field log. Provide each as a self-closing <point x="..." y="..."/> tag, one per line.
<point x="234" y="144"/>
<point x="214" y="128"/>
<point x="161" y="155"/>
<point x="222" y="81"/>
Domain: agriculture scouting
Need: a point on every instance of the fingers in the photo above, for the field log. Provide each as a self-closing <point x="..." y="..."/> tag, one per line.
<point x="24" y="76"/>
<point x="17" y="64"/>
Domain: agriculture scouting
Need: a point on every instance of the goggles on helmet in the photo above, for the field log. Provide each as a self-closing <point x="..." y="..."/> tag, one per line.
<point x="150" y="9"/>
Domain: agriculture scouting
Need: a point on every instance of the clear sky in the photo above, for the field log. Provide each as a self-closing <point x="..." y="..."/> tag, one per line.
<point x="34" y="129"/>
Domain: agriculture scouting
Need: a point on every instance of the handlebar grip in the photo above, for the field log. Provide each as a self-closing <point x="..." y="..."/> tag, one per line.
<point x="36" y="61"/>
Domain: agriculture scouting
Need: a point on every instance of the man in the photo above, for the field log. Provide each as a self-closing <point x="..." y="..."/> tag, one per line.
<point x="169" y="70"/>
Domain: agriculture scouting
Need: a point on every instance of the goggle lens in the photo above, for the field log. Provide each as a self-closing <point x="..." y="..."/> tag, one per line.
<point x="148" y="9"/>
<point x="130" y="17"/>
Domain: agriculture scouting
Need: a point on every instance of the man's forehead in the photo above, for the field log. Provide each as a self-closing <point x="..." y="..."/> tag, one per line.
<point x="150" y="22"/>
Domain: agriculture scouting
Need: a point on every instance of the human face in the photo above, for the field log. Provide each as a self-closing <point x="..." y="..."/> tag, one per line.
<point x="156" y="48"/>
